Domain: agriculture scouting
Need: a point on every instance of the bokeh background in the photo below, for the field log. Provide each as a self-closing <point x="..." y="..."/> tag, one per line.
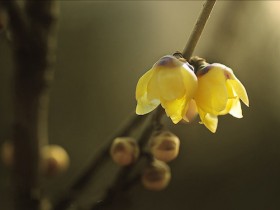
<point x="104" y="47"/>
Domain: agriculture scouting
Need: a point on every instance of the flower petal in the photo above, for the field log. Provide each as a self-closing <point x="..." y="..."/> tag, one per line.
<point x="175" y="109"/>
<point x="231" y="95"/>
<point x="190" y="81"/>
<point x="141" y="88"/>
<point x="236" y="110"/>
<point x="211" y="95"/>
<point x="209" y="120"/>
<point x="170" y="83"/>
<point x="144" y="105"/>
<point x="240" y="90"/>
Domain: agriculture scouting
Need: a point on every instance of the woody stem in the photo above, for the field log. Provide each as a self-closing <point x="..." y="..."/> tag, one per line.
<point x="198" y="28"/>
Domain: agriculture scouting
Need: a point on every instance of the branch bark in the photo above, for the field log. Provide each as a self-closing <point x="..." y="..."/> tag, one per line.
<point x="33" y="44"/>
<point x="198" y="28"/>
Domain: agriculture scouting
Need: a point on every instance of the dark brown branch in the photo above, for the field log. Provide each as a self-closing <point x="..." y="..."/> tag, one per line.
<point x="32" y="40"/>
<point x="198" y="28"/>
<point x="17" y="21"/>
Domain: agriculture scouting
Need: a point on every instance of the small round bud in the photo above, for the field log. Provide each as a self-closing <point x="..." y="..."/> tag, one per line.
<point x="7" y="153"/>
<point x="164" y="146"/>
<point x="156" y="176"/>
<point x="124" y="151"/>
<point x="55" y="160"/>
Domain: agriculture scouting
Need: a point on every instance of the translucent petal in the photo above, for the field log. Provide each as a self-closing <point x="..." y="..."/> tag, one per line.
<point x="230" y="90"/>
<point x="209" y="120"/>
<point x="228" y="107"/>
<point x="144" y="105"/>
<point x="190" y="81"/>
<point x="152" y="88"/>
<point x="236" y="110"/>
<point x="170" y="83"/>
<point x="175" y="109"/>
<point x="233" y="106"/>
<point x="231" y="95"/>
<point x="141" y="88"/>
<point x="211" y="95"/>
<point x="240" y="90"/>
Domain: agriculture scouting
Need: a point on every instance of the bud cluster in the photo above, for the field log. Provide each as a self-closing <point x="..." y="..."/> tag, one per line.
<point x="124" y="151"/>
<point x="163" y="147"/>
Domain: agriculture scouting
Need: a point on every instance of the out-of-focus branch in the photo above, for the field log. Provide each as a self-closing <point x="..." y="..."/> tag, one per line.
<point x="33" y="42"/>
<point x="103" y="153"/>
<point x="123" y="181"/>
<point x="16" y="18"/>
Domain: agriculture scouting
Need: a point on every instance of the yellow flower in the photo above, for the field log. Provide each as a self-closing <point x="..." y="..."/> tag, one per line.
<point x="169" y="82"/>
<point x="218" y="93"/>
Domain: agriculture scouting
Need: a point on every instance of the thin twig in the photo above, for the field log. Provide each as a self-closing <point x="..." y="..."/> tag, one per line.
<point x="198" y="28"/>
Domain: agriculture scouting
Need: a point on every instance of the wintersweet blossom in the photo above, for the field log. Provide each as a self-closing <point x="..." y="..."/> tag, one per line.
<point x="171" y="83"/>
<point x="218" y="93"/>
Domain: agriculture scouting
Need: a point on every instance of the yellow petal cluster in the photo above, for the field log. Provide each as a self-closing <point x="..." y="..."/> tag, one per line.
<point x="171" y="83"/>
<point x="218" y="93"/>
<point x="212" y="91"/>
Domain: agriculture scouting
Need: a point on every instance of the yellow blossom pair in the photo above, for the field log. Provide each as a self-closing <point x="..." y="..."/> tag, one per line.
<point x="212" y="91"/>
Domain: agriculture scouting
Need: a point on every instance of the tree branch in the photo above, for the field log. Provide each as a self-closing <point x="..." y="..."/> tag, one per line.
<point x="198" y="28"/>
<point x="32" y="39"/>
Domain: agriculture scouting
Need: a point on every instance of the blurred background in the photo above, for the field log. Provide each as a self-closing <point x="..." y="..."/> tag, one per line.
<point x="102" y="50"/>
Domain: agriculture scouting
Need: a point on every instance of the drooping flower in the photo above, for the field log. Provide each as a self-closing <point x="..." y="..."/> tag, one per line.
<point x="171" y="83"/>
<point x="218" y="93"/>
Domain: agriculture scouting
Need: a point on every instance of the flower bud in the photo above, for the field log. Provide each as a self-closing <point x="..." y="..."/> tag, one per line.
<point x="7" y="153"/>
<point x="156" y="176"/>
<point x="54" y="160"/>
<point x="124" y="151"/>
<point x="164" y="146"/>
